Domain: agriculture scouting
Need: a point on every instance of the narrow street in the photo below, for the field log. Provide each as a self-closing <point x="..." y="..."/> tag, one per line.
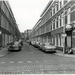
<point x="30" y="60"/>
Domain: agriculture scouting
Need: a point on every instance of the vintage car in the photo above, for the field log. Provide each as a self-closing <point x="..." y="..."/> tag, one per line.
<point x="48" y="47"/>
<point x="15" y="46"/>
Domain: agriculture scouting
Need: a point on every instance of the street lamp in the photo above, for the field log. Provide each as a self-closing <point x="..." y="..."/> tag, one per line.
<point x="67" y="28"/>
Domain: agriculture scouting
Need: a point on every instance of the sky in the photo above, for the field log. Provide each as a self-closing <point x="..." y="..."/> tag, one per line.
<point x="27" y="12"/>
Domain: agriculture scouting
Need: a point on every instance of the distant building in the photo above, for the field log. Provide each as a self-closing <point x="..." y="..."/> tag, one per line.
<point x="27" y="34"/>
<point x="22" y="36"/>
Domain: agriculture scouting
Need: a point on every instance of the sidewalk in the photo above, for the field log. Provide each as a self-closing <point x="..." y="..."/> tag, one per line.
<point x="4" y="51"/>
<point x="60" y="53"/>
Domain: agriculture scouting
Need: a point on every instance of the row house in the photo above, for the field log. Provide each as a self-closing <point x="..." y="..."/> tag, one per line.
<point x="8" y="27"/>
<point x="53" y="21"/>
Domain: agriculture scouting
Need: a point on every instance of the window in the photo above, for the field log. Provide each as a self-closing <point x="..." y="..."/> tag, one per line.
<point x="57" y="7"/>
<point x="51" y="12"/>
<point x="60" y="4"/>
<point x="65" y="17"/>
<point x="54" y="24"/>
<point x="57" y="22"/>
<point x="72" y="16"/>
<point x="49" y="38"/>
<point x="47" y="27"/>
<point x="56" y="40"/>
<point x="65" y="1"/>
<point x="53" y="40"/>
<point x="60" y="20"/>
<point x="59" y="40"/>
<point x="72" y="13"/>
<point x="54" y="10"/>
<point x="51" y="25"/>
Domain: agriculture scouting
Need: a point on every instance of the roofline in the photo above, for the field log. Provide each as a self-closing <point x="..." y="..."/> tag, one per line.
<point x="46" y="7"/>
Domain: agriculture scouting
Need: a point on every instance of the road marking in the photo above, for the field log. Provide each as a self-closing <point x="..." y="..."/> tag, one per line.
<point x="2" y="62"/>
<point x="12" y="62"/>
<point x="36" y="61"/>
<point x="29" y="61"/>
<point x="20" y="62"/>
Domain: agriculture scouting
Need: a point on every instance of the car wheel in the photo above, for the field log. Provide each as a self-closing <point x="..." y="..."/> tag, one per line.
<point x="54" y="52"/>
<point x="44" y="50"/>
<point x="19" y="49"/>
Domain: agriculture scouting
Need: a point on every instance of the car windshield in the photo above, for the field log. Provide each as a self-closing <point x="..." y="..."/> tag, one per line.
<point x="43" y="44"/>
<point x="16" y="43"/>
<point x="47" y="44"/>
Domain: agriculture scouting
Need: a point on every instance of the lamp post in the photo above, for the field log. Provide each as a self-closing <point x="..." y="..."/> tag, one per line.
<point x="68" y="27"/>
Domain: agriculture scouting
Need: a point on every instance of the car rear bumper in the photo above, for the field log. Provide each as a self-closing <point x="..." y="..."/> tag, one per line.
<point x="15" y="48"/>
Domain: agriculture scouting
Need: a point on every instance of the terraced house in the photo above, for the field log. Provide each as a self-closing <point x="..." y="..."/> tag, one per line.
<point x="57" y="15"/>
<point x="8" y="26"/>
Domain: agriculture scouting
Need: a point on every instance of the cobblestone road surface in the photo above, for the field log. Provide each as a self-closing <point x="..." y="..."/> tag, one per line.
<point x="38" y="69"/>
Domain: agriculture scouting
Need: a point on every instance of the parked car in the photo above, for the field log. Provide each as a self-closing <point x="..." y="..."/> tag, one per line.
<point x="15" y="46"/>
<point x="28" y="41"/>
<point x="37" y="44"/>
<point x="21" y="42"/>
<point x="33" y="43"/>
<point x="48" y="47"/>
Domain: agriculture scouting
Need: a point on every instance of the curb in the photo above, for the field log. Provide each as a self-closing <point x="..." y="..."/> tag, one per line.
<point x="65" y="55"/>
